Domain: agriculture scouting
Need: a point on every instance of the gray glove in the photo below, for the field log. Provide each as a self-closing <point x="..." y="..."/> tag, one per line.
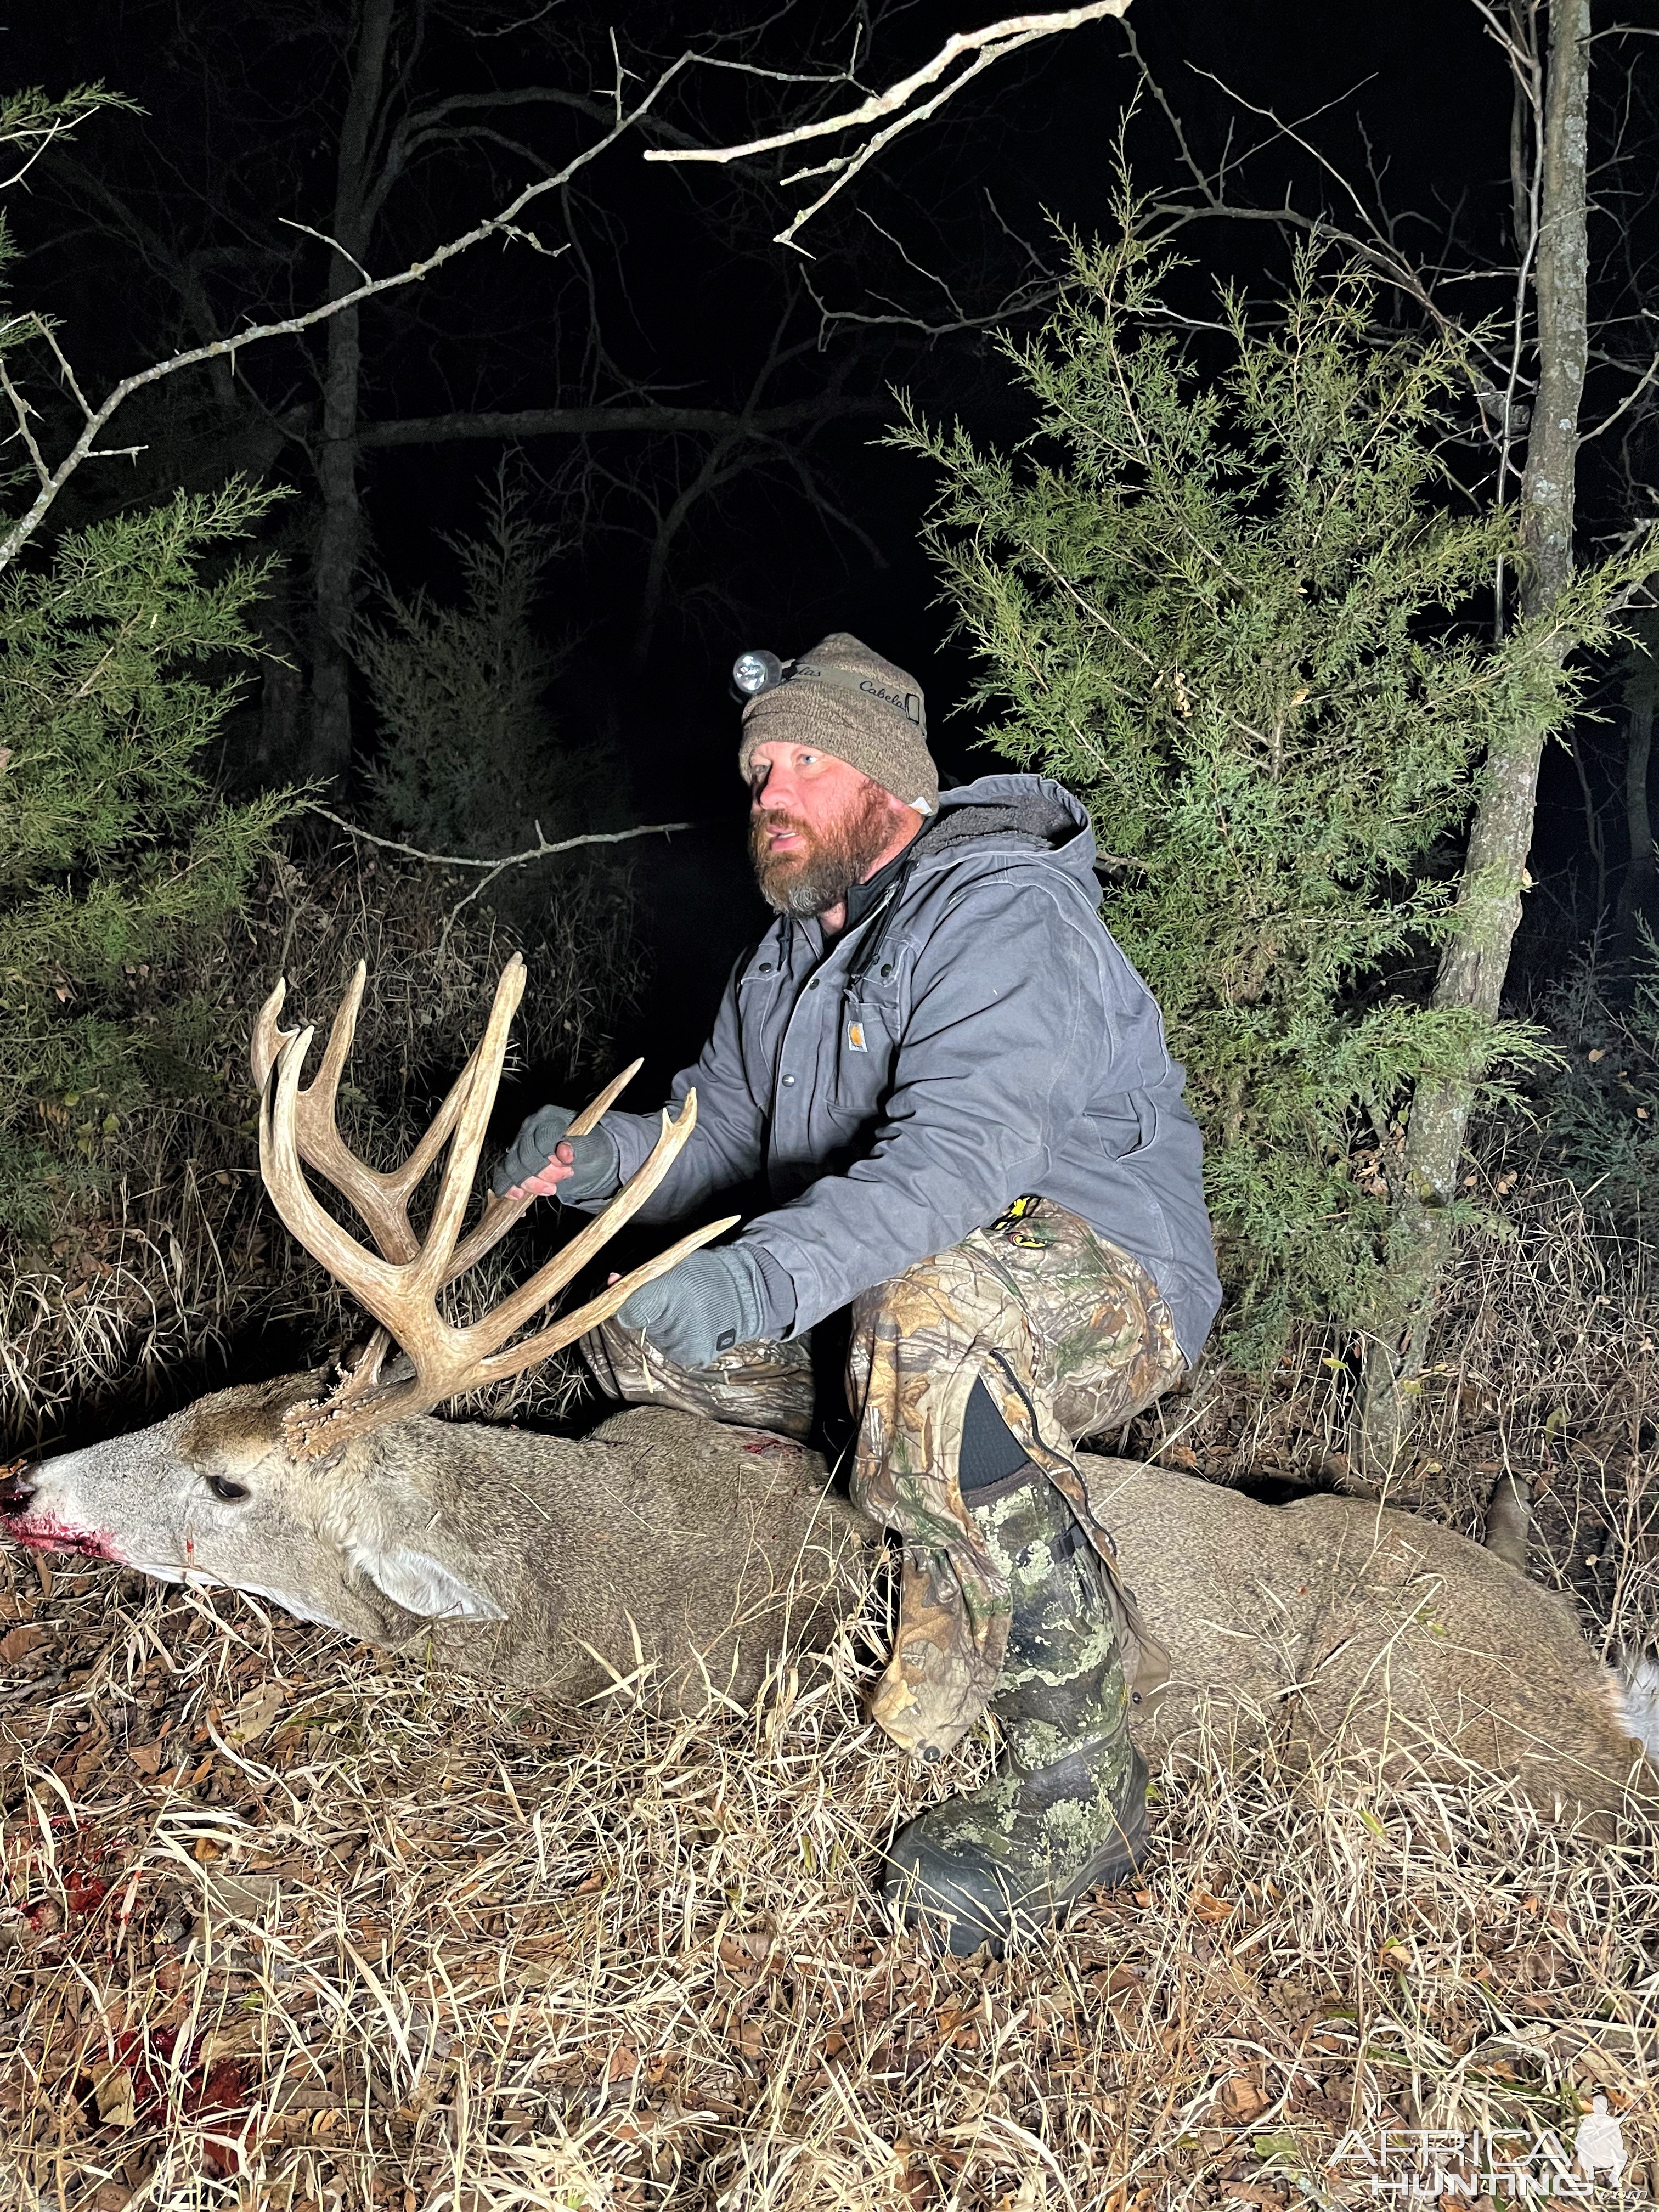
<point x="710" y="1302"/>
<point x="598" y="1165"/>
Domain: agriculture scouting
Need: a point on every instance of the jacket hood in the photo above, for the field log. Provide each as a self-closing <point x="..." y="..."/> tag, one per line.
<point x="1032" y="811"/>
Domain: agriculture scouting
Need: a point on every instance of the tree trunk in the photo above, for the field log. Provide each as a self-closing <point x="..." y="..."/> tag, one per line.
<point x="1636" y="893"/>
<point x="340" y="534"/>
<point x="282" y="691"/>
<point x="1476" y="960"/>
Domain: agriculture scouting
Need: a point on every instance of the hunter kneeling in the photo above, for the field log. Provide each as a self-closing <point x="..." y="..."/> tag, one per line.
<point x="957" y="1090"/>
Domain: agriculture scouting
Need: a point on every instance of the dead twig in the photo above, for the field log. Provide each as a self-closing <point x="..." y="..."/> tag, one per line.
<point x="987" y="46"/>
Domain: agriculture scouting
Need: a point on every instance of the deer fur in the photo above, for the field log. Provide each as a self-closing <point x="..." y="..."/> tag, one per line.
<point x="670" y="1553"/>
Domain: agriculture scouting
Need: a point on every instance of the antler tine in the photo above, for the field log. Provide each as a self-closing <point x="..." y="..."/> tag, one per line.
<point x="429" y="1271"/>
<point x="551" y="1278"/>
<point x="408" y="1175"/>
<point x="600" y="1308"/>
<point x="371" y="1279"/>
<point x="267" y="1039"/>
<point x="376" y="1197"/>
<point x="320" y="1090"/>
<point x="501" y="1214"/>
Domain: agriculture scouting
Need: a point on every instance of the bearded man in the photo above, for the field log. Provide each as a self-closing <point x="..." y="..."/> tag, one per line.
<point x="957" y="1090"/>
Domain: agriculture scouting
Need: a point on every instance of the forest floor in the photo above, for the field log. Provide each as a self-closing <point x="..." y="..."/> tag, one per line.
<point x="289" y="1927"/>
<point x="284" y="1924"/>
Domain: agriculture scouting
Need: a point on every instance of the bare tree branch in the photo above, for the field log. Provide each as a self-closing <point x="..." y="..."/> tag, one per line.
<point x="589" y="422"/>
<point x="987" y="46"/>
<point x="541" y="850"/>
<point x="503" y="224"/>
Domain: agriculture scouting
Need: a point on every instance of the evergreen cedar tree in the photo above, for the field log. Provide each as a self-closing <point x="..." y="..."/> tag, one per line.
<point x="114" y="850"/>
<point x="1246" y="617"/>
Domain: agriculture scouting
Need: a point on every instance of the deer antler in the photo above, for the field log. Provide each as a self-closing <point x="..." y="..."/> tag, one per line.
<point x="400" y="1284"/>
<point x="382" y="1199"/>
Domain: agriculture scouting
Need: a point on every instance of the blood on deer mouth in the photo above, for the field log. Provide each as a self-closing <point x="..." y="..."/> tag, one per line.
<point x="44" y="1532"/>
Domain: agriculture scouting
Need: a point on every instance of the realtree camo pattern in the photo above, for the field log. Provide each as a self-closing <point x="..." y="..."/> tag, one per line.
<point x="754" y="1386"/>
<point x="1069" y="1336"/>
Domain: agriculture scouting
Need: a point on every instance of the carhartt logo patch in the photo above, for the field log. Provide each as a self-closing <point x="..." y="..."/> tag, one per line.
<point x="855" y="1038"/>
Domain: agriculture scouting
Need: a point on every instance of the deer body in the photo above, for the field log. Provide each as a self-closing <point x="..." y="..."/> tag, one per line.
<point x="672" y="1552"/>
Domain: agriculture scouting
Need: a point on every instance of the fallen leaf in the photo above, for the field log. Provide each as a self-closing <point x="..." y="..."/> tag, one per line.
<point x="243" y="1897"/>
<point x="1242" y="2099"/>
<point x="17" y="1643"/>
<point x="255" y="1715"/>
<point x="746" y="1956"/>
<point x="114" y="2093"/>
<point x="1208" y="1907"/>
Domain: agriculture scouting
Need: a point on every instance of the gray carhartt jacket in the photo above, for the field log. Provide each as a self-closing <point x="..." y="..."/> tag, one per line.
<point x="975" y="1037"/>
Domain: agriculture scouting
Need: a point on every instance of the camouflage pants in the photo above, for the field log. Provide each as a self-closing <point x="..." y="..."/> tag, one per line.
<point x="1070" y="1337"/>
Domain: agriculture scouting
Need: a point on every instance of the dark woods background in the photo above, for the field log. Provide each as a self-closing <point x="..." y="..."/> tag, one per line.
<point x="535" y="504"/>
<point x="671" y="548"/>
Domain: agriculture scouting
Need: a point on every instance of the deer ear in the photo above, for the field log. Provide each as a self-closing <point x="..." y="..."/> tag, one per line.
<point x="425" y="1585"/>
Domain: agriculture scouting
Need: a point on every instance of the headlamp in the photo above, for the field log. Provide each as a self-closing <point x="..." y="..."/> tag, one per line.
<point x="755" y="672"/>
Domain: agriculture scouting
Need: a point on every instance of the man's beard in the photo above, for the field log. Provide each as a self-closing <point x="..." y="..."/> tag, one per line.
<point x="813" y="880"/>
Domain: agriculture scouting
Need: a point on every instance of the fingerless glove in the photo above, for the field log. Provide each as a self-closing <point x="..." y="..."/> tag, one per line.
<point x="594" y="1175"/>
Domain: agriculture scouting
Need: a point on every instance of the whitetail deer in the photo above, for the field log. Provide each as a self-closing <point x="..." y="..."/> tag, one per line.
<point x="670" y="1553"/>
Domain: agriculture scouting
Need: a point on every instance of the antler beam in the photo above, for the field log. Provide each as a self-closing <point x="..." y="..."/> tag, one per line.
<point x="400" y="1282"/>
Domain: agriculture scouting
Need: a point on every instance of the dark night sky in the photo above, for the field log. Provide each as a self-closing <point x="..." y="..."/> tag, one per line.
<point x="1419" y="84"/>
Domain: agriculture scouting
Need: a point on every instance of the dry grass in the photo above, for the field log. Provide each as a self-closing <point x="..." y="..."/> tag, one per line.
<point x="290" y="1927"/>
<point x="151" y="1280"/>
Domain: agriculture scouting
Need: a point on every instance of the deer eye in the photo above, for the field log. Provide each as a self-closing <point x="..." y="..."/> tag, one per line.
<point x="225" y="1490"/>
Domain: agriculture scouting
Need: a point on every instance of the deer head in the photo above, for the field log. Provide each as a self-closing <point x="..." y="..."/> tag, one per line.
<point x="281" y="1488"/>
<point x="213" y="1495"/>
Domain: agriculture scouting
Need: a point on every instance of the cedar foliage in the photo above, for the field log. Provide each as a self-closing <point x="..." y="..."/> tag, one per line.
<point x="114" y="849"/>
<point x="1245" y="614"/>
<point x="472" y="759"/>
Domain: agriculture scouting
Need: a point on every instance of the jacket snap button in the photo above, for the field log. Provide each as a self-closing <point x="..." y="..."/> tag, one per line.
<point x="787" y="1080"/>
<point x="886" y="967"/>
<point x="813" y="985"/>
<point x="765" y="967"/>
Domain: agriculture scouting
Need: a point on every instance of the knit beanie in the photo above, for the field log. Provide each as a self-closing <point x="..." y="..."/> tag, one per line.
<point x="847" y="701"/>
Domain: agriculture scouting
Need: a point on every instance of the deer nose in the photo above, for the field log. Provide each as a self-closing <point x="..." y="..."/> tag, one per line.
<point x="17" y="1490"/>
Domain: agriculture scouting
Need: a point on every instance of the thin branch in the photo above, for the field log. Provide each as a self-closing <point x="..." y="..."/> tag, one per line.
<point x="542" y="849"/>
<point x="539" y="851"/>
<point x="502" y="224"/>
<point x="1624" y="405"/>
<point x="589" y="422"/>
<point x="20" y="408"/>
<point x="987" y="46"/>
<point x="322" y="238"/>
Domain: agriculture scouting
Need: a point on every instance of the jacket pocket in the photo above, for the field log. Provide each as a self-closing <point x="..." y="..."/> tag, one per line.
<point x="864" y="1056"/>
<point x="867" y="1041"/>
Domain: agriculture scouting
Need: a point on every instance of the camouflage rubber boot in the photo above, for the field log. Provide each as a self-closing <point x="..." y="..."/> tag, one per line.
<point x="1065" y="1808"/>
